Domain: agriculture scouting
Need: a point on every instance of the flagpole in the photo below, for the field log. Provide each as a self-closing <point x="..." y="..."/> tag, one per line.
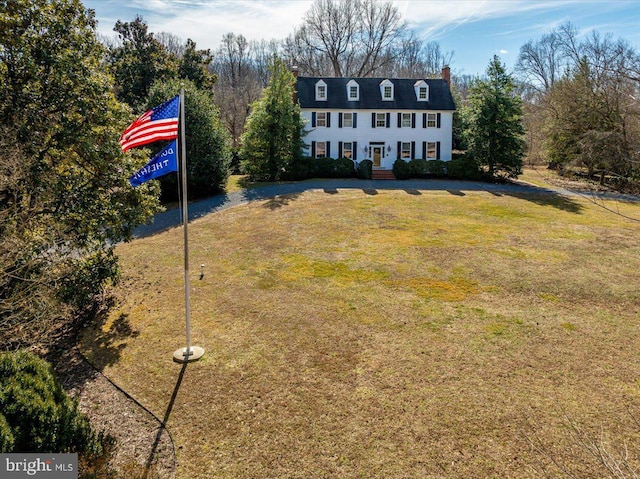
<point x="189" y="353"/>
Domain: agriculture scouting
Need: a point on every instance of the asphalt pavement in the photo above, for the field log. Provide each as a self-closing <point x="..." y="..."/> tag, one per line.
<point x="173" y="217"/>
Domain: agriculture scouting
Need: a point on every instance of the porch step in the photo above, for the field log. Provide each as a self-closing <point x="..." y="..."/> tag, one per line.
<point x="382" y="175"/>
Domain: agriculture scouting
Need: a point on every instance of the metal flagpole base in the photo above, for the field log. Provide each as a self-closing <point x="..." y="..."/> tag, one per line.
<point x="180" y="355"/>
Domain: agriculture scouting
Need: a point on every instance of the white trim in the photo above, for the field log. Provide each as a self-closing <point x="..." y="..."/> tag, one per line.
<point x="383" y="87"/>
<point x="353" y="83"/>
<point x="319" y="91"/>
<point x="417" y="86"/>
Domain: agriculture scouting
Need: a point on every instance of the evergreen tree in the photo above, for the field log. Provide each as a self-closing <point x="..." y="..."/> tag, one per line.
<point x="208" y="143"/>
<point x="38" y="416"/>
<point x="272" y="139"/>
<point x="194" y="66"/>
<point x="139" y="61"/>
<point x="65" y="200"/>
<point x="494" y="130"/>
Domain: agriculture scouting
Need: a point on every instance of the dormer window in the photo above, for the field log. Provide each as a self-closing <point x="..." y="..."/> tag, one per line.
<point x="353" y="91"/>
<point x="386" y="90"/>
<point x="321" y="91"/>
<point x="422" y="90"/>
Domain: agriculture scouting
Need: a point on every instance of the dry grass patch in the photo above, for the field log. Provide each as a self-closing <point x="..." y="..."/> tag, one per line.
<point x="395" y="335"/>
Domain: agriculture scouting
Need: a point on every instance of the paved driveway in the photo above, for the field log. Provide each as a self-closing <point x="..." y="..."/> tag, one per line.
<point x="172" y="218"/>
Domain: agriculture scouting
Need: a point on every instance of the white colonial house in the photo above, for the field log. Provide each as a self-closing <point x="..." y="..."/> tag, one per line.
<point x="380" y="119"/>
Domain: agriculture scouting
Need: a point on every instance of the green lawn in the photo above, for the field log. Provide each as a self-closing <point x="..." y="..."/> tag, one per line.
<point x="392" y="335"/>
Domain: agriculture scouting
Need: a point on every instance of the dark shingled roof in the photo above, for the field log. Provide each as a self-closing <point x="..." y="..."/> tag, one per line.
<point x="370" y="99"/>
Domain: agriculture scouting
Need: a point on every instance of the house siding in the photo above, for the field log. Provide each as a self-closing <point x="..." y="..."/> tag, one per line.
<point x="390" y="136"/>
<point x="365" y="134"/>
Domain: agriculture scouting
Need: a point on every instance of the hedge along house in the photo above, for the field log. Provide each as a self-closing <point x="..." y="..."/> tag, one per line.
<point x="379" y="119"/>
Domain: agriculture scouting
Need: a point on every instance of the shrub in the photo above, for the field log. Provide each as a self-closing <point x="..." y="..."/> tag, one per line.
<point x="325" y="168"/>
<point x="300" y="169"/>
<point x="36" y="415"/>
<point x="418" y="168"/>
<point x="344" y="168"/>
<point x="436" y="168"/>
<point x="463" y="167"/>
<point x="364" y="169"/>
<point x="401" y="169"/>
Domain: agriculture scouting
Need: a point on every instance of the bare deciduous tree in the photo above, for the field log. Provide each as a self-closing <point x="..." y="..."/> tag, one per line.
<point x="355" y="37"/>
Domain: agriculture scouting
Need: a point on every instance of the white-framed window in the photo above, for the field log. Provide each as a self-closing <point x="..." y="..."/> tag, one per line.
<point x="347" y="149"/>
<point x="432" y="120"/>
<point x="321" y="91"/>
<point x="406" y="120"/>
<point x="321" y="118"/>
<point x="405" y="150"/>
<point x="386" y="90"/>
<point x="321" y="149"/>
<point x="353" y="91"/>
<point x="422" y="90"/>
<point x="381" y="120"/>
<point x="431" y="150"/>
<point x="347" y="120"/>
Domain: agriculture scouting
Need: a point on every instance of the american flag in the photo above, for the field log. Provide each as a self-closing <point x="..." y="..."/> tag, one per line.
<point x="159" y="123"/>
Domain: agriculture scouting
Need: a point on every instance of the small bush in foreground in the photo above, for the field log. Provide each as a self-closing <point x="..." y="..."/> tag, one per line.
<point x="36" y="415"/>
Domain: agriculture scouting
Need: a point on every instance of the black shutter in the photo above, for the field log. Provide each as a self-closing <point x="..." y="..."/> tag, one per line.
<point x="313" y="119"/>
<point x="340" y="120"/>
<point x="354" y="148"/>
<point x="413" y="120"/>
<point x="373" y="120"/>
<point x="424" y="150"/>
<point x="328" y="155"/>
<point x="328" y="119"/>
<point x="399" y="150"/>
<point x="438" y="121"/>
<point x="388" y="120"/>
<point x="313" y="149"/>
<point x="355" y="120"/>
<point x="438" y="148"/>
<point x="424" y="120"/>
<point x="399" y="120"/>
<point x="339" y="149"/>
<point x="413" y="150"/>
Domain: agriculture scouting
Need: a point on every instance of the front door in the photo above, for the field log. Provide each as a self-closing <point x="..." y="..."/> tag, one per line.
<point x="377" y="155"/>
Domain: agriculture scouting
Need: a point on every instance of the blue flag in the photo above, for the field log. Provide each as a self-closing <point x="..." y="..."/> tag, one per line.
<point x="164" y="162"/>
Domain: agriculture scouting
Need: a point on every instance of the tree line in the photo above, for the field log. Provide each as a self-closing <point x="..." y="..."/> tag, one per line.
<point x="583" y="103"/>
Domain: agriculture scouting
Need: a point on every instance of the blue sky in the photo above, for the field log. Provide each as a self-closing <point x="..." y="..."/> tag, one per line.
<point x="474" y="30"/>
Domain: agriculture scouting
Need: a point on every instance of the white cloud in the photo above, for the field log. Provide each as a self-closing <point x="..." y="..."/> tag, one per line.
<point x="206" y="21"/>
<point x="503" y="51"/>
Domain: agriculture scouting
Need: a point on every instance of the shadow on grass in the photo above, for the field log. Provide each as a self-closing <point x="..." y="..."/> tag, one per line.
<point x="163" y="424"/>
<point x="281" y="200"/>
<point x="549" y="198"/>
<point x="104" y="347"/>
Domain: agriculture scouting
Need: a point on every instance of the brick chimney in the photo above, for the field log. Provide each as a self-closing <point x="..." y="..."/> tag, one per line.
<point x="294" y="70"/>
<point x="446" y="74"/>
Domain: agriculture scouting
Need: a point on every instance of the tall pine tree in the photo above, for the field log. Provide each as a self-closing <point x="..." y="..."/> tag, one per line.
<point x="273" y="135"/>
<point x="494" y="129"/>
